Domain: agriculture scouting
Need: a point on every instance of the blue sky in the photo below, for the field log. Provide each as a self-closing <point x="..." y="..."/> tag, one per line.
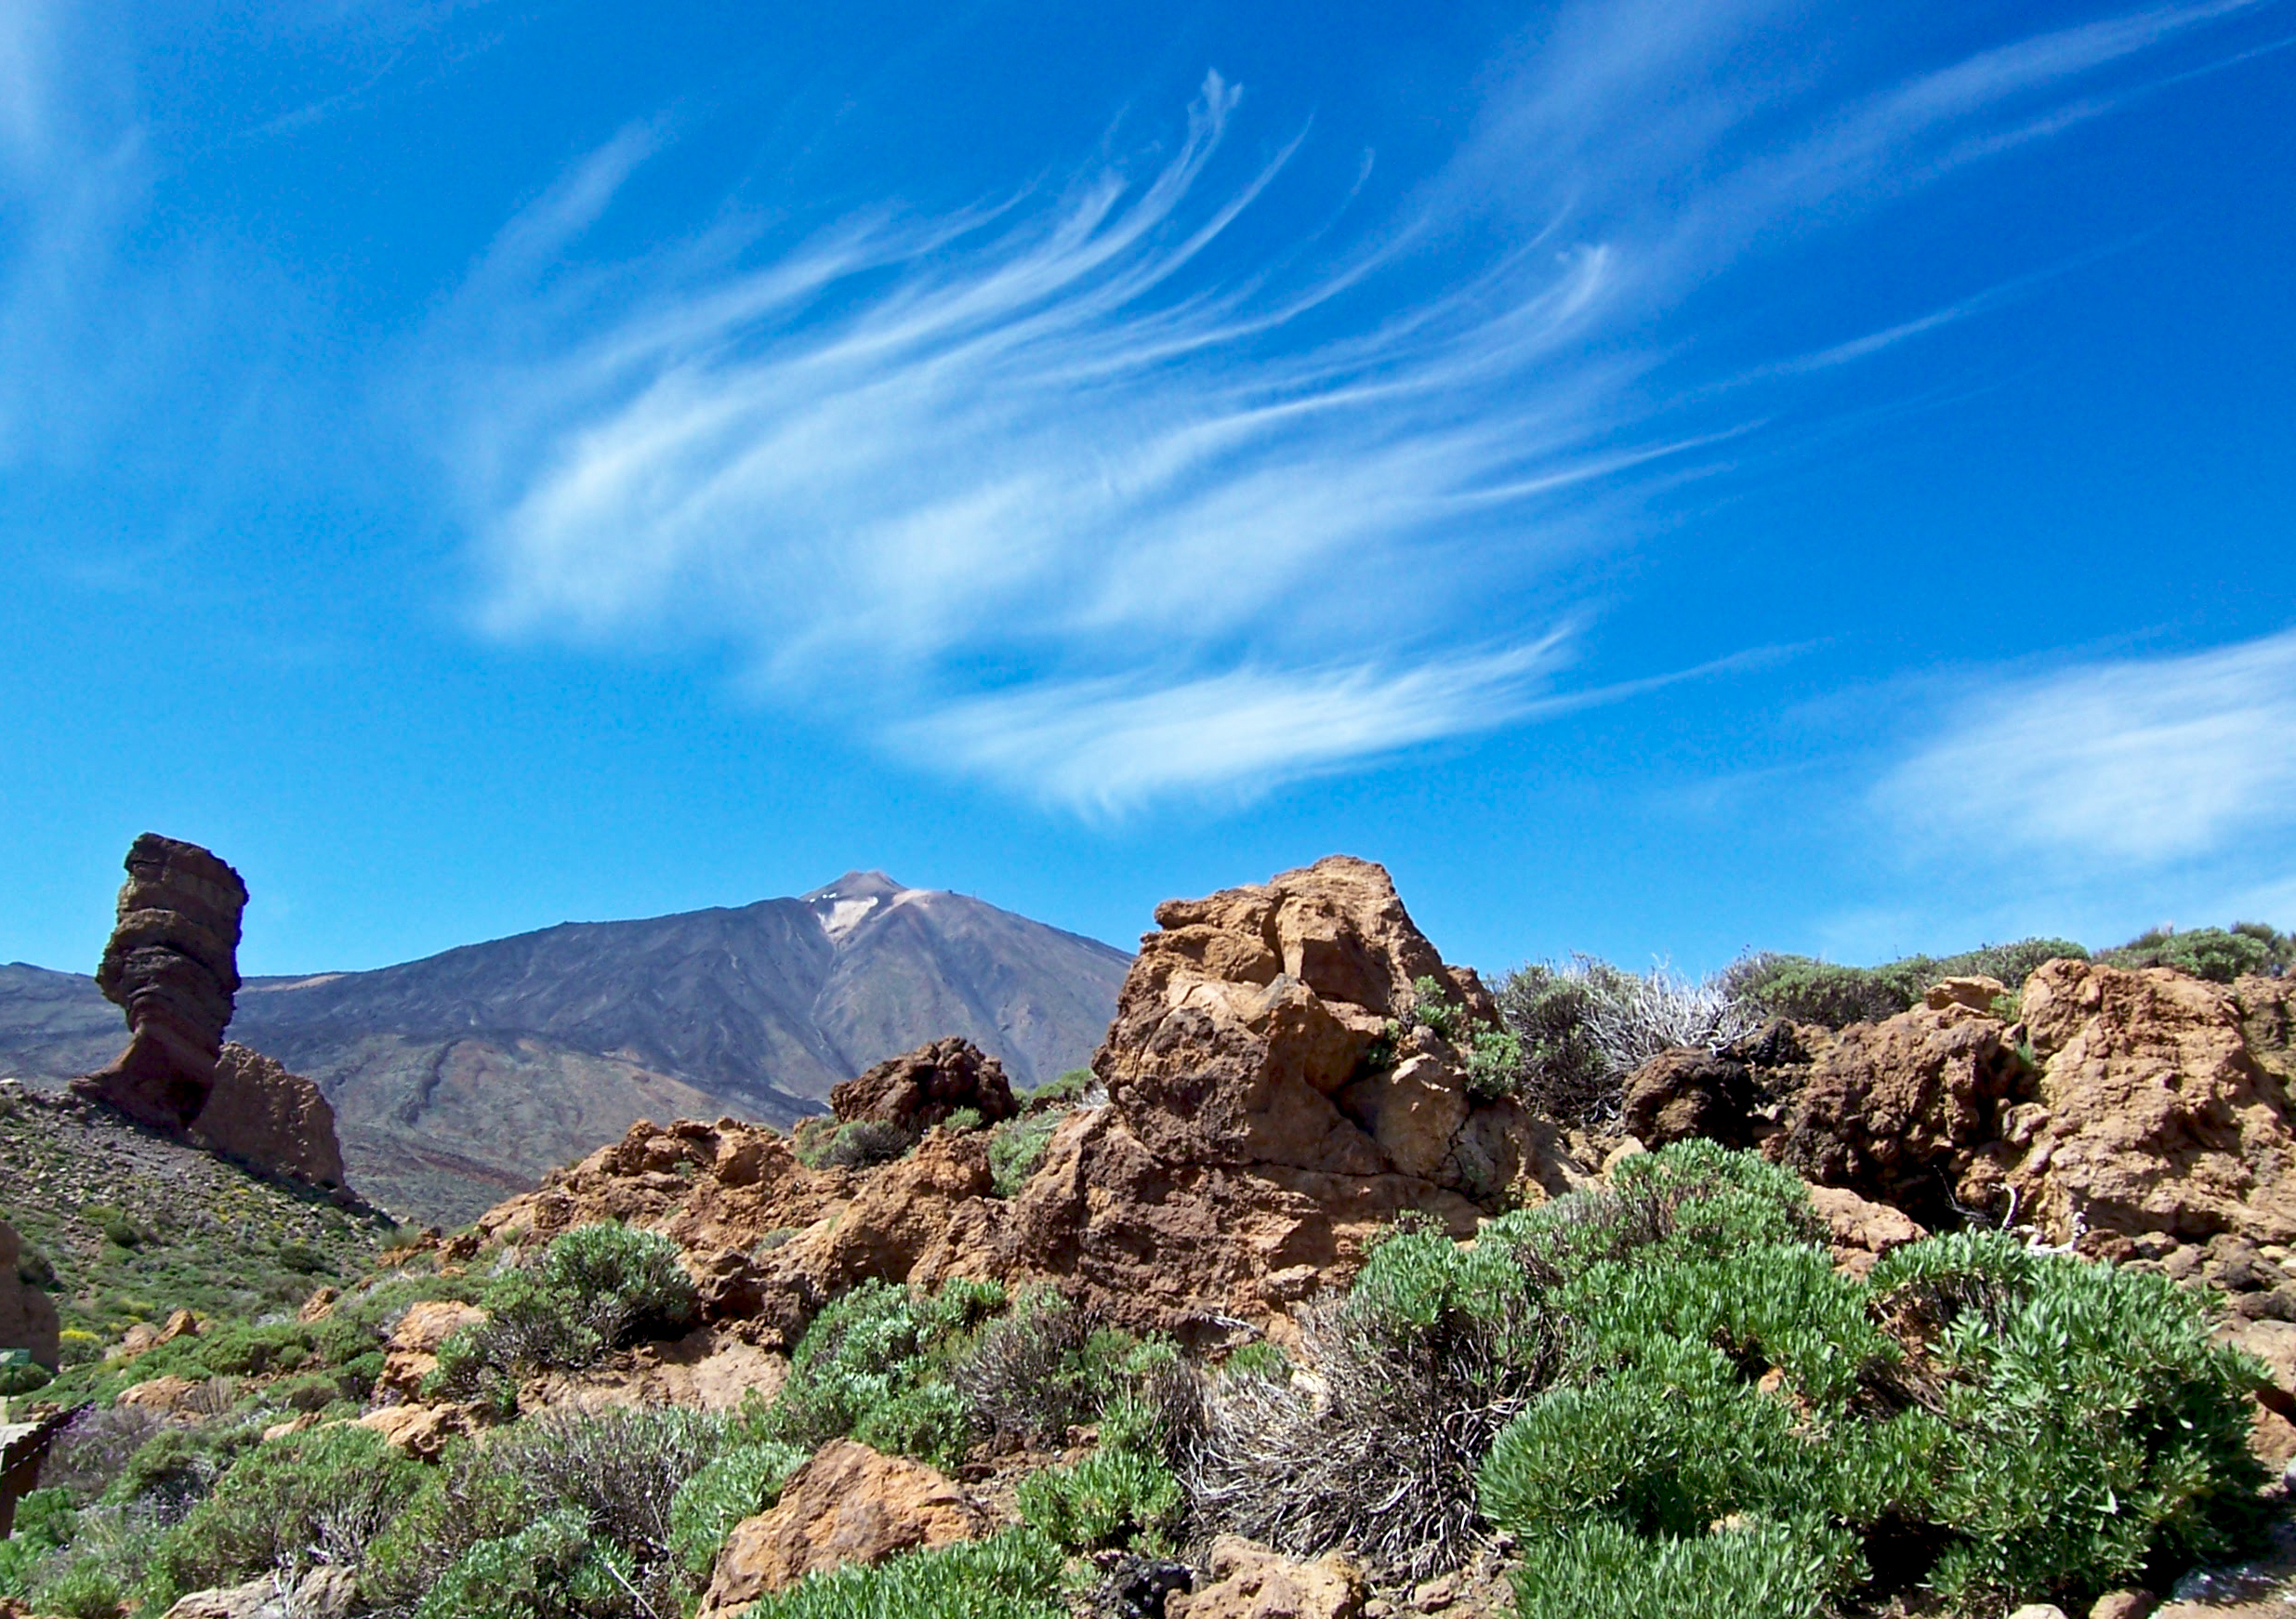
<point x="1664" y="478"/>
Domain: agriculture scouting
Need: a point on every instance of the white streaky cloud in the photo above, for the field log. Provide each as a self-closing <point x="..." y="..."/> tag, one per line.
<point x="2137" y="761"/>
<point x="1106" y="747"/>
<point x="1108" y="441"/>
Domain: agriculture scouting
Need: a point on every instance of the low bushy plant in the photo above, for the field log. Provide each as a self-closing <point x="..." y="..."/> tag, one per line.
<point x="552" y="1568"/>
<point x="316" y="1496"/>
<point x="1017" y="1575"/>
<point x="1044" y="1368"/>
<point x="1116" y="1496"/>
<point x="1430" y="1354"/>
<point x="1996" y="1424"/>
<point x="1809" y="990"/>
<point x="873" y="1365"/>
<point x="740" y="1482"/>
<point x="2218" y="955"/>
<point x="1582" y="1026"/>
<point x="592" y="1289"/>
<point x="1017" y="1147"/>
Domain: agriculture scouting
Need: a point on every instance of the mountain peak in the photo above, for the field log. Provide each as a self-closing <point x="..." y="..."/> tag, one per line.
<point x="852" y="900"/>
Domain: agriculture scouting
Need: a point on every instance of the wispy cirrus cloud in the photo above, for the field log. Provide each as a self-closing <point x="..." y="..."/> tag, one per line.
<point x="1108" y="490"/>
<point x="2128" y="763"/>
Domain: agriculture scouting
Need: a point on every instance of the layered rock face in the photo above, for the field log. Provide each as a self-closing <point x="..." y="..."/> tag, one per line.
<point x="921" y="1088"/>
<point x="1267" y="1114"/>
<point x="261" y="1114"/>
<point x="27" y="1315"/>
<point x="171" y="965"/>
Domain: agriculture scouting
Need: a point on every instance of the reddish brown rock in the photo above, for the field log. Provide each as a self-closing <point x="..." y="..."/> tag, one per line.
<point x="1861" y="1232"/>
<point x="1687" y="1092"/>
<point x="848" y="1505"/>
<point x="412" y="1353"/>
<point x="1250" y="1582"/>
<point x="1898" y="1111"/>
<point x="1261" y="1129"/>
<point x="2161" y="1117"/>
<point x="171" y="965"/>
<point x="421" y="1431"/>
<point x="27" y="1314"/>
<point x="1978" y="993"/>
<point x="271" y="1120"/>
<point x="921" y="1088"/>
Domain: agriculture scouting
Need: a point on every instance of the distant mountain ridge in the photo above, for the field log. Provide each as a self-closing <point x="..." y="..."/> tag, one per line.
<point x="461" y="1076"/>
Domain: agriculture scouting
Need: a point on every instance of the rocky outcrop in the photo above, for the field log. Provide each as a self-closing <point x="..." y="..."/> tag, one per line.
<point x="2159" y="1114"/>
<point x="1269" y="1112"/>
<point x="1250" y="1582"/>
<point x="848" y="1505"/>
<point x="1902" y="1110"/>
<point x="1687" y="1092"/>
<point x="1262" y="1029"/>
<point x="27" y="1314"/>
<point x="278" y="1121"/>
<point x="922" y="1087"/>
<point x="171" y="965"/>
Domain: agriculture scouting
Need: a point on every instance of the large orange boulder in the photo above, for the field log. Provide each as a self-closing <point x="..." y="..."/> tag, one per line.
<point x="848" y="1505"/>
<point x="2161" y="1114"/>
<point x="1896" y="1111"/>
<point x="271" y="1120"/>
<point x="172" y="965"/>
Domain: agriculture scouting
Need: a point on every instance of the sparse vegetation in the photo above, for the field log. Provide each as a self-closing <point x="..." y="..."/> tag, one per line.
<point x="1017" y="1147"/>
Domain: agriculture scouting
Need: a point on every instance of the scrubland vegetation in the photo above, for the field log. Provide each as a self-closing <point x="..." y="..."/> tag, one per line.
<point x="1662" y="1390"/>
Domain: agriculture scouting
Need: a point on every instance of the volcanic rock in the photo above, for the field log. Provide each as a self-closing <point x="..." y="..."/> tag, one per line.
<point x="171" y="966"/>
<point x="1250" y="1582"/>
<point x="1261" y="1128"/>
<point x="1898" y="1111"/>
<point x="921" y="1088"/>
<point x="2161" y="1116"/>
<point x="27" y="1314"/>
<point x="1687" y="1092"/>
<point x="848" y="1505"/>
<point x="278" y="1121"/>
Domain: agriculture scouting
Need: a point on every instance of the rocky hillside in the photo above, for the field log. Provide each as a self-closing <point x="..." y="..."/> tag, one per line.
<point x="458" y="1078"/>
<point x="122" y="1223"/>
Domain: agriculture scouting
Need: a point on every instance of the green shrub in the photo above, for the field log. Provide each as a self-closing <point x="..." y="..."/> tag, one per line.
<point x="873" y="1365"/>
<point x="2218" y="955"/>
<point x="962" y="1121"/>
<point x="20" y="1373"/>
<point x="1750" y="1571"/>
<point x="1017" y="1575"/>
<point x="1433" y="1351"/>
<point x="554" y="1568"/>
<point x="1065" y="1092"/>
<point x="740" y="1482"/>
<point x="1043" y="1368"/>
<point x="1113" y="1497"/>
<point x="318" y="1495"/>
<point x="84" y="1590"/>
<point x="1809" y="990"/>
<point x="594" y="1288"/>
<point x="466" y="1499"/>
<point x="1998" y="1424"/>
<point x="1017" y="1147"/>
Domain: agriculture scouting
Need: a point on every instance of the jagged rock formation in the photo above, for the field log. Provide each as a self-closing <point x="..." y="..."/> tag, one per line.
<point x="278" y="1121"/>
<point x="921" y="1088"/>
<point x="172" y="966"/>
<point x="1263" y="1121"/>
<point x="2139" y="1111"/>
<point x="27" y="1315"/>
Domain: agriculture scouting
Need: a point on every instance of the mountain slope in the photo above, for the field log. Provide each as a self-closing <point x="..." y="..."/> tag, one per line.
<point x="458" y="1078"/>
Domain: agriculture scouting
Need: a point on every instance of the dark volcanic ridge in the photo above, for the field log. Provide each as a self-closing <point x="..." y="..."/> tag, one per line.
<point x="459" y="1078"/>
